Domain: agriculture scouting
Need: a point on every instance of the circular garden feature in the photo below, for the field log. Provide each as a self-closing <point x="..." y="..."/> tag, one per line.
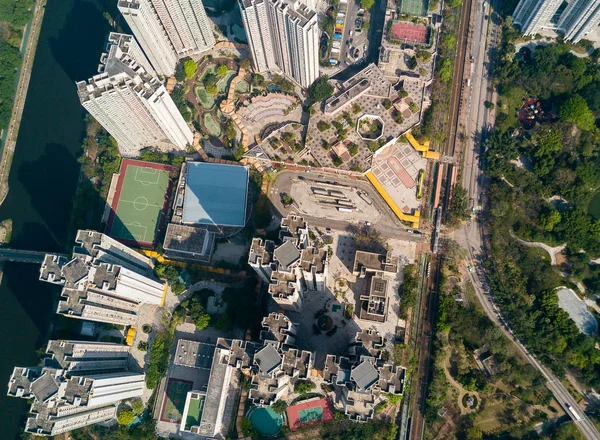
<point x="146" y="328"/>
<point x="469" y="401"/>
<point x="370" y="127"/>
<point x="324" y="322"/>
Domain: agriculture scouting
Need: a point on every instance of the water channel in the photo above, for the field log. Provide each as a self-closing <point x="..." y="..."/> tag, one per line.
<point x="42" y="182"/>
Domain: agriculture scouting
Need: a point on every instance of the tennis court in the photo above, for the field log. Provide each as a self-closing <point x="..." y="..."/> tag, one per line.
<point x="140" y="202"/>
<point x="174" y="400"/>
<point x="410" y="33"/>
<point x="309" y="411"/>
<point x="414" y="7"/>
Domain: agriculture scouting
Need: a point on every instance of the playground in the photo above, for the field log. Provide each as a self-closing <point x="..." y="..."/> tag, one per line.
<point x="174" y="400"/>
<point x="140" y="203"/>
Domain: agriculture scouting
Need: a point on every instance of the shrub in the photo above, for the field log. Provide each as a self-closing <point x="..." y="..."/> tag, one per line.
<point x="247" y="428"/>
<point x="402" y="93"/>
<point x="125" y="417"/>
<point x="356" y="108"/>
<point x="387" y="104"/>
<point x="337" y="161"/>
<point x="190" y="67"/>
<point x="353" y="149"/>
<point x="223" y="322"/>
<point x="138" y="406"/>
<point x="279" y="407"/>
<point x="222" y="70"/>
<point x="304" y="386"/>
<point x="143" y="346"/>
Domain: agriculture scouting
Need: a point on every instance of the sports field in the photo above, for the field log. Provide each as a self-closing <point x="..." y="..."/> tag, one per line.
<point x="140" y="201"/>
<point x="414" y="7"/>
<point x="311" y="411"/>
<point x="410" y="33"/>
<point x="174" y="401"/>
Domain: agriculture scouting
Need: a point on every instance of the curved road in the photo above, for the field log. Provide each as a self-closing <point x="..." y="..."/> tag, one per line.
<point x="471" y="236"/>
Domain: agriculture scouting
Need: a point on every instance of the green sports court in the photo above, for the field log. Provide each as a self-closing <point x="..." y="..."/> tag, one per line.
<point x="140" y="202"/>
<point x="174" y="400"/>
<point x="414" y="7"/>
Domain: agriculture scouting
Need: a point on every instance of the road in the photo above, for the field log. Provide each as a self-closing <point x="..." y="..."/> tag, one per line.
<point x="20" y="97"/>
<point x="471" y="236"/>
<point x="21" y="256"/>
<point x="388" y="225"/>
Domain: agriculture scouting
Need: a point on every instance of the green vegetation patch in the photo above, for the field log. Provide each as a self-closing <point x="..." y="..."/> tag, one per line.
<point x="212" y="126"/>
<point x="207" y="101"/>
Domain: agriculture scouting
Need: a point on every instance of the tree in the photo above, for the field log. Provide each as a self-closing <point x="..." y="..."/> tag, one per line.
<point x="279" y="407"/>
<point x="138" y="406"/>
<point x="190" y="67"/>
<point x="125" y="417"/>
<point x="287" y="200"/>
<point x="202" y="321"/>
<point x="474" y="433"/>
<point x="323" y="126"/>
<point x="367" y="4"/>
<point x="445" y="70"/>
<point x="223" y="322"/>
<point x="320" y="90"/>
<point x="412" y="63"/>
<point x="222" y="70"/>
<point x="304" y="386"/>
<point x="576" y="111"/>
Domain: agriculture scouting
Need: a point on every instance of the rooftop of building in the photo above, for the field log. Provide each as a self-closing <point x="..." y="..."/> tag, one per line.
<point x="44" y="387"/>
<point x="261" y="249"/>
<point x="367" y="342"/>
<point x="286" y="255"/>
<point x="189" y="241"/>
<point x="365" y="374"/>
<point x="276" y="327"/>
<point x="194" y="354"/>
<point x="267" y="359"/>
<point x="215" y="194"/>
<point x="369" y="261"/>
<point x="313" y="257"/>
<point x="293" y="226"/>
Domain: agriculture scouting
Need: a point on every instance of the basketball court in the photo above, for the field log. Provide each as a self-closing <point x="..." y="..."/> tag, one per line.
<point x="310" y="411"/>
<point x="174" y="400"/>
<point x="410" y="33"/>
<point x="140" y="203"/>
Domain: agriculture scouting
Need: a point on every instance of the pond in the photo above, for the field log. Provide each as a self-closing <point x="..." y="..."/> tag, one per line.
<point x="594" y="206"/>
<point x="266" y="421"/>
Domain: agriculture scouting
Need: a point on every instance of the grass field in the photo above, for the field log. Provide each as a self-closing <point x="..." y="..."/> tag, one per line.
<point x="139" y="203"/>
<point x="175" y="400"/>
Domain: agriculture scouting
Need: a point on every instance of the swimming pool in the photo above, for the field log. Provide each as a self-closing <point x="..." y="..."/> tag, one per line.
<point x="266" y="421"/>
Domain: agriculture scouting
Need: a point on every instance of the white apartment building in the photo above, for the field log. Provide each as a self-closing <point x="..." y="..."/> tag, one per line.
<point x="579" y="18"/>
<point x="119" y="44"/>
<point x="291" y="268"/>
<point x="147" y="28"/>
<point x="533" y="15"/>
<point x="134" y="107"/>
<point x="168" y="29"/>
<point x="72" y="388"/>
<point x="283" y="37"/>
<point x="104" y="281"/>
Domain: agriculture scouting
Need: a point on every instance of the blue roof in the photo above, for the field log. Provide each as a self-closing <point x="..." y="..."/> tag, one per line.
<point x="215" y="194"/>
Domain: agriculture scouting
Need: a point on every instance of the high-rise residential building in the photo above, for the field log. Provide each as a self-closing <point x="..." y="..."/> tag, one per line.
<point x="134" y="107"/>
<point x="119" y="44"/>
<point x="147" y="28"/>
<point x="103" y="281"/>
<point x="283" y="36"/>
<point x="168" y="29"/>
<point x="81" y="384"/>
<point x="579" y="18"/>
<point x="291" y="268"/>
<point x="533" y="15"/>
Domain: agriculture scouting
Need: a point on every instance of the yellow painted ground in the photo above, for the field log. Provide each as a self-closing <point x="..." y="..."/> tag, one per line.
<point x="412" y="218"/>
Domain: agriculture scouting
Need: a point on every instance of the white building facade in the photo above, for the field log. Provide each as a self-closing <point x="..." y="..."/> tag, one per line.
<point x="135" y="108"/>
<point x="168" y="30"/>
<point x="579" y="18"/>
<point x="283" y="37"/>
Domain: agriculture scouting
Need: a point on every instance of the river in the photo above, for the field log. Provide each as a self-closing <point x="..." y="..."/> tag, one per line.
<point x="42" y="182"/>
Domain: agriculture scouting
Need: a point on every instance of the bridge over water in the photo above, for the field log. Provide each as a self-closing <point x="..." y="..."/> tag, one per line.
<point x="23" y="256"/>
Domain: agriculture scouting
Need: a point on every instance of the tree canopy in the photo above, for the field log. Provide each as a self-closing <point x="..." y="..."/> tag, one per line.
<point x="576" y="111"/>
<point x="190" y="67"/>
<point x="320" y="90"/>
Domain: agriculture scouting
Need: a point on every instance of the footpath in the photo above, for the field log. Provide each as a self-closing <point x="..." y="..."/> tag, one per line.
<point x="20" y="96"/>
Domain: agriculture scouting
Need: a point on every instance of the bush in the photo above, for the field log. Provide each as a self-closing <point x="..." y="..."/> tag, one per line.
<point x="222" y="70"/>
<point x="190" y="67"/>
<point x="143" y="346"/>
<point x="337" y="161"/>
<point x="387" y="104"/>
<point x="138" y="406"/>
<point x="279" y="407"/>
<point x="223" y="322"/>
<point x="177" y="288"/>
<point x="356" y="108"/>
<point x="247" y="428"/>
<point x="304" y="386"/>
<point x="323" y="126"/>
<point x="125" y="417"/>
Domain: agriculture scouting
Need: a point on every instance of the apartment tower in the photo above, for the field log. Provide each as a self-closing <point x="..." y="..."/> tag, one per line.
<point x="134" y="107"/>
<point x="533" y="15"/>
<point x="168" y="29"/>
<point x="579" y="18"/>
<point x="283" y="37"/>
